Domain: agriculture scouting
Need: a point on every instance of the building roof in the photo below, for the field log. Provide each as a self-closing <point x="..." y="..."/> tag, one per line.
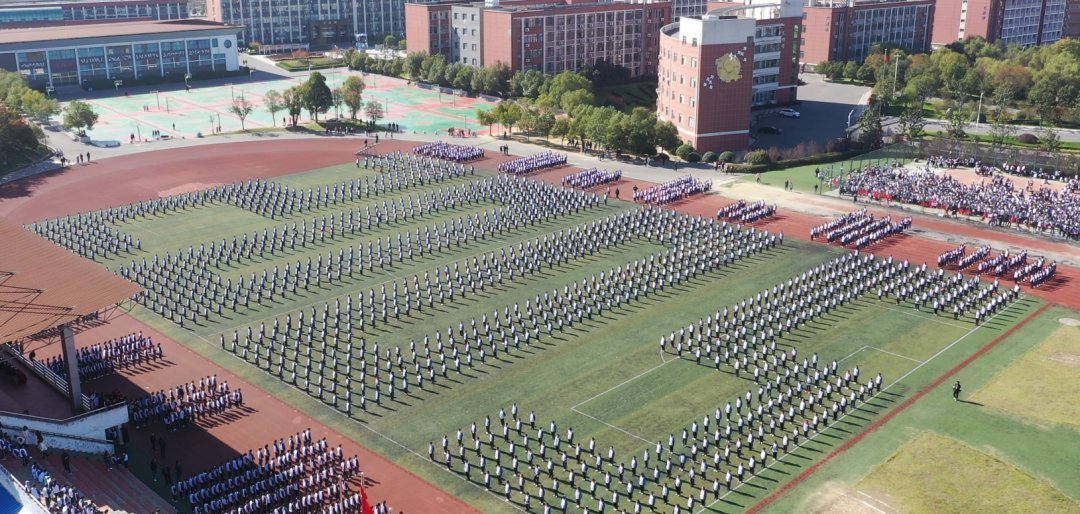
<point x="97" y="30"/>
<point x="43" y="285"/>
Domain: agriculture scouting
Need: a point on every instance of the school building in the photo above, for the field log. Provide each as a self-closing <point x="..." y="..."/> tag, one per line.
<point x="98" y="54"/>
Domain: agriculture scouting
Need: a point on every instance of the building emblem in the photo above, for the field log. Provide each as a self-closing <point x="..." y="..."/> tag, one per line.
<point x="728" y="68"/>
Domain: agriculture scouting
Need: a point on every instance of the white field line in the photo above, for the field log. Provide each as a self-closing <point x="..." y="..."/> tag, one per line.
<point x="894" y="354"/>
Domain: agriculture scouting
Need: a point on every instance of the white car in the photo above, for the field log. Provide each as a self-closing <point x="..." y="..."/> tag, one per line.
<point x="789" y="113"/>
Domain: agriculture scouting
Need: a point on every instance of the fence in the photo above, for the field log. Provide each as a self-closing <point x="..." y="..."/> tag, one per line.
<point x="1068" y="163"/>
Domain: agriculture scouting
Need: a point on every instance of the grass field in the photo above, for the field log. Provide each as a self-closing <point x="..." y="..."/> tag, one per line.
<point x="965" y="479"/>
<point x="803" y="178"/>
<point x="947" y="456"/>
<point x="604" y="377"/>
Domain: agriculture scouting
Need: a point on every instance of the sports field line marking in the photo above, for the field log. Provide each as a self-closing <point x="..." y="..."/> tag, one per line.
<point x="627" y="381"/>
<point x="768" y="500"/>
<point x="594" y="418"/>
<point x="907" y="312"/>
<point x="377" y="433"/>
<point x="894" y="354"/>
<point x="875" y="500"/>
<point x="852" y="354"/>
<point x="864" y="502"/>
<point x="862" y="434"/>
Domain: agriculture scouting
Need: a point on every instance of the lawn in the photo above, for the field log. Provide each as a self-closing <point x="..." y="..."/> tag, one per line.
<point x="934" y="474"/>
<point x="605" y="376"/>
<point x="1023" y="463"/>
<point x="803" y="178"/>
<point x="628" y="96"/>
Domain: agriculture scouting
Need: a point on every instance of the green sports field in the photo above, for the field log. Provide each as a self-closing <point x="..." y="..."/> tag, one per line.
<point x="605" y="376"/>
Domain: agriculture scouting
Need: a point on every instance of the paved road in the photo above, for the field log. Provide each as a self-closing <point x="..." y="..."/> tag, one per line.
<point x="824" y="107"/>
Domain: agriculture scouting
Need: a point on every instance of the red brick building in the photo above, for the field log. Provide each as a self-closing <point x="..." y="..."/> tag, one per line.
<point x="846" y="31"/>
<point x="714" y="68"/>
<point x="1015" y="22"/>
<point x="540" y="34"/>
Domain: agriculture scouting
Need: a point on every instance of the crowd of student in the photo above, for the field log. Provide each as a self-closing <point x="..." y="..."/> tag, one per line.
<point x="101" y="359"/>
<point x="303" y="475"/>
<point x="529" y="164"/>
<point x="57" y="498"/>
<point x="672" y="190"/>
<point x="859" y="229"/>
<point x="997" y="200"/>
<point x="745" y="212"/>
<point x="184" y="404"/>
<point x="449" y="152"/>
<point x="591" y="177"/>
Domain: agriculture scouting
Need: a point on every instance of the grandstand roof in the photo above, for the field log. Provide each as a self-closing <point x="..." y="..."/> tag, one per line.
<point x="43" y="285"/>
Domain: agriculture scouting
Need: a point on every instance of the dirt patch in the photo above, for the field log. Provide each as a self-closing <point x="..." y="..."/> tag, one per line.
<point x="187" y="188"/>
<point x="1067" y="358"/>
<point x="837" y="498"/>
<point x="1070" y="322"/>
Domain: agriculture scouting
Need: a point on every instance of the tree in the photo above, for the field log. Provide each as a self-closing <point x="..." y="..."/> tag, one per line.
<point x="15" y="134"/>
<point x="527" y="83"/>
<point x="38" y="106"/>
<point x="831" y="70"/>
<point x="402" y="45"/>
<point x="667" y="136"/>
<point x="352" y="95"/>
<point x="486" y="117"/>
<point x="80" y="116"/>
<point x="413" y="62"/>
<point x="273" y="103"/>
<point x="570" y="100"/>
<point x="865" y="73"/>
<point x="374" y="111"/>
<point x="508" y="114"/>
<point x="390" y="41"/>
<point x="560" y="128"/>
<point x="956" y="124"/>
<point x="851" y="70"/>
<point x="464" y="77"/>
<point x="1000" y="128"/>
<point x="435" y="70"/>
<point x="241" y="108"/>
<point x="293" y="101"/>
<point x="317" y="95"/>
<point x="684" y="150"/>
<point x="912" y="121"/>
<point x="1049" y="140"/>
<point x="360" y="61"/>
<point x="870" y="131"/>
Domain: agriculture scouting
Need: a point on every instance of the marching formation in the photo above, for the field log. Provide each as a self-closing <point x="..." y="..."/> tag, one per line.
<point x="745" y="212"/>
<point x="304" y="476"/>
<point x="997" y="201"/>
<point x="101" y="359"/>
<point x="592" y="177"/>
<point x="449" y="152"/>
<point x="672" y="191"/>
<point x="526" y="165"/>
<point x="1036" y="272"/>
<point x="185" y="404"/>
<point x="321" y="354"/>
<point x="183" y="288"/>
<point x="859" y="229"/>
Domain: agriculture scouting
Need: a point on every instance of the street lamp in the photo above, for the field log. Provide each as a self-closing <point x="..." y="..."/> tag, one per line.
<point x="117" y="83"/>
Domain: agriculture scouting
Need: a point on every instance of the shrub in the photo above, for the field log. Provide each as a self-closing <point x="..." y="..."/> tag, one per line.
<point x="693" y="157"/>
<point x="710" y="157"/>
<point x="1028" y="139"/>
<point x="727" y="156"/>
<point x="683" y="150"/>
<point x="757" y="157"/>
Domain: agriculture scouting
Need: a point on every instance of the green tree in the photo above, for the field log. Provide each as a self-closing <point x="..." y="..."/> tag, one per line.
<point x="360" y="61"/>
<point x="956" y="124"/>
<point x="1000" y="127"/>
<point x="642" y="131"/>
<point x="464" y="77"/>
<point x="374" y="111"/>
<point x="241" y="108"/>
<point x="352" y="95"/>
<point x="683" y="150"/>
<point x="851" y="70"/>
<point x="528" y="83"/>
<point x="667" y="136"/>
<point x="508" y="114"/>
<point x="413" y="62"/>
<point x="1049" y="140"/>
<point x="435" y="70"/>
<point x="912" y="122"/>
<point x="865" y="73"/>
<point x="38" y="106"/>
<point x="571" y="100"/>
<point x="486" y="117"/>
<point x="293" y="100"/>
<point x="870" y="132"/>
<point x="317" y="95"/>
<point x="560" y="128"/>
<point x="273" y="103"/>
<point x="566" y="82"/>
<point x="390" y="41"/>
<point x="80" y="116"/>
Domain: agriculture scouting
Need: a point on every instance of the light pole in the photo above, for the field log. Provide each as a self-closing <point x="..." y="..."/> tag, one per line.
<point x="157" y="96"/>
<point x="232" y="93"/>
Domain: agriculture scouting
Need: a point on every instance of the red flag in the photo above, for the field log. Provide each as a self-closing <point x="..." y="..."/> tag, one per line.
<point x="365" y="506"/>
<point x="887" y="52"/>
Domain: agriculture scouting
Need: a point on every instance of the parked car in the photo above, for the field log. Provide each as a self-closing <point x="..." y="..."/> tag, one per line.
<point x="769" y="129"/>
<point x="789" y="113"/>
